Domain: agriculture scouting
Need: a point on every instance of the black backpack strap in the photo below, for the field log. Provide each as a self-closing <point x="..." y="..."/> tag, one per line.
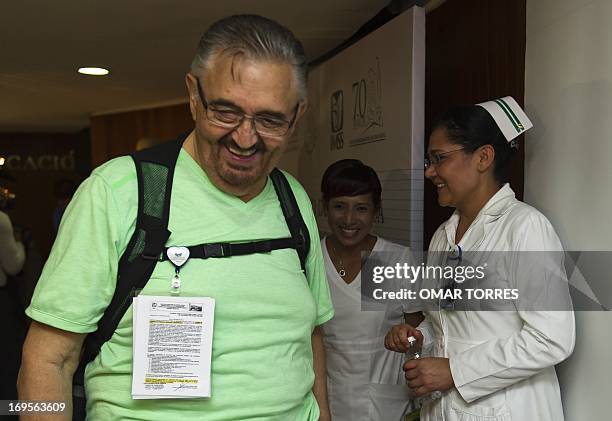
<point x="299" y="240"/>
<point x="293" y="216"/>
<point x="155" y="171"/>
<point x="210" y="250"/>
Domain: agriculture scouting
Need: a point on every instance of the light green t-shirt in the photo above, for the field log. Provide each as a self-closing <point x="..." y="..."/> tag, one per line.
<point x="265" y="312"/>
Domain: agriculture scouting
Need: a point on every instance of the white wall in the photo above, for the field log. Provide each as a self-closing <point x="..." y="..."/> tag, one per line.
<point x="367" y="103"/>
<point x="568" y="165"/>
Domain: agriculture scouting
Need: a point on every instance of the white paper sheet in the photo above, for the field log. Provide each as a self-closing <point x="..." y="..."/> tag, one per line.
<point x="172" y="347"/>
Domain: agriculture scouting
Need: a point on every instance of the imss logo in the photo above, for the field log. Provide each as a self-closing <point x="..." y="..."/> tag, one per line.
<point x="337" y="120"/>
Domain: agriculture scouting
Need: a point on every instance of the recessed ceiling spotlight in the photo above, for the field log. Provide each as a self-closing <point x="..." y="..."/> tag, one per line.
<point x="93" y="71"/>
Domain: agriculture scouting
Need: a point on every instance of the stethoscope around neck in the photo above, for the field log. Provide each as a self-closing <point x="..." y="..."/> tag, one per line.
<point x="455" y="254"/>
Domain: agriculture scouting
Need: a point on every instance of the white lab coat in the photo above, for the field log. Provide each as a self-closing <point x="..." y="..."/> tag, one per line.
<point x="365" y="381"/>
<point x="502" y="362"/>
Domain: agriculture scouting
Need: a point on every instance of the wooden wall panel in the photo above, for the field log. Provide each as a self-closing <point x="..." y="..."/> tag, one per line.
<point x="113" y="135"/>
<point x="475" y="52"/>
<point x="36" y="161"/>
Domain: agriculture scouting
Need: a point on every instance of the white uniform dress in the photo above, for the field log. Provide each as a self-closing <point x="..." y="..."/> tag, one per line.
<point x="365" y="381"/>
<point x="502" y="362"/>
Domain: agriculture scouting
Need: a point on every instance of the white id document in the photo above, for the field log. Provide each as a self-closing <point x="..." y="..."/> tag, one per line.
<point x="172" y="347"/>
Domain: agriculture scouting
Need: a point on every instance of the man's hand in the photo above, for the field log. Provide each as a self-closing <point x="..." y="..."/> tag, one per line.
<point x="325" y="417"/>
<point x="397" y="338"/>
<point x="319" y="388"/>
<point x="426" y="375"/>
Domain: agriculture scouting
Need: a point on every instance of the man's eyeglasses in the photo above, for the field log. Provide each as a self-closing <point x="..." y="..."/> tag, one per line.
<point x="265" y="125"/>
<point x="436" y="158"/>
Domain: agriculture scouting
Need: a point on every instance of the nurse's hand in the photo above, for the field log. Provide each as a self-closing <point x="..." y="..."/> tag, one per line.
<point x="426" y="375"/>
<point x="397" y="338"/>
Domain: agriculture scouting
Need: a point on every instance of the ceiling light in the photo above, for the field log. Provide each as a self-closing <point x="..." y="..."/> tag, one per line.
<point x="93" y="71"/>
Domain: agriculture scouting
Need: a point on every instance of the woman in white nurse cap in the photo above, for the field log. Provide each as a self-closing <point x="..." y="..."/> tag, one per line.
<point x="469" y="154"/>
<point x="493" y="365"/>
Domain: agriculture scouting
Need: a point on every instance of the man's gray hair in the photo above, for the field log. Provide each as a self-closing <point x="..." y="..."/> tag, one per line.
<point x="254" y="37"/>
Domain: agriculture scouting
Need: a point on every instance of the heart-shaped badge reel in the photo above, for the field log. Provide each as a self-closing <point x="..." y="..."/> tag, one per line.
<point x="178" y="255"/>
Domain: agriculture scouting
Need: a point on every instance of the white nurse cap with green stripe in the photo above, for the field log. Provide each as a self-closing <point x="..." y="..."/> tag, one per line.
<point x="510" y="118"/>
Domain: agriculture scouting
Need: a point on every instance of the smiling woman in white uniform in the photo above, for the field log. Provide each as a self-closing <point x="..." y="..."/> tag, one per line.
<point x="490" y="365"/>
<point x="365" y="381"/>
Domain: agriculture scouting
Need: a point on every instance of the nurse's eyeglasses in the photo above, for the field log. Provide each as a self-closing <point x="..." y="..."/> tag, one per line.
<point x="436" y="158"/>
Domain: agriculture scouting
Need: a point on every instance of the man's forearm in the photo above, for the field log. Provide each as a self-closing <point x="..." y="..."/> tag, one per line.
<point x="50" y="358"/>
<point x="45" y="382"/>
<point x="320" y="370"/>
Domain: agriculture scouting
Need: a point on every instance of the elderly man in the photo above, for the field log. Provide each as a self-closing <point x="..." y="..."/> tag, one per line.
<point x="246" y="90"/>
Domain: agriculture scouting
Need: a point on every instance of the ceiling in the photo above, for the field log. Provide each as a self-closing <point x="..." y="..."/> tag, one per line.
<point x="147" y="45"/>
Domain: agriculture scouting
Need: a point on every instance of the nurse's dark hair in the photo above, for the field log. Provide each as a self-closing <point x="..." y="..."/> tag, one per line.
<point x="350" y="177"/>
<point x="471" y="126"/>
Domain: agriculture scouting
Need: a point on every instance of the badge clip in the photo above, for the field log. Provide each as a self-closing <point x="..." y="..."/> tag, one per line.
<point x="178" y="256"/>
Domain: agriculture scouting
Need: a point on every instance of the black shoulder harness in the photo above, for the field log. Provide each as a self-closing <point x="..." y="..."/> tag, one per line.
<point x="147" y="246"/>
